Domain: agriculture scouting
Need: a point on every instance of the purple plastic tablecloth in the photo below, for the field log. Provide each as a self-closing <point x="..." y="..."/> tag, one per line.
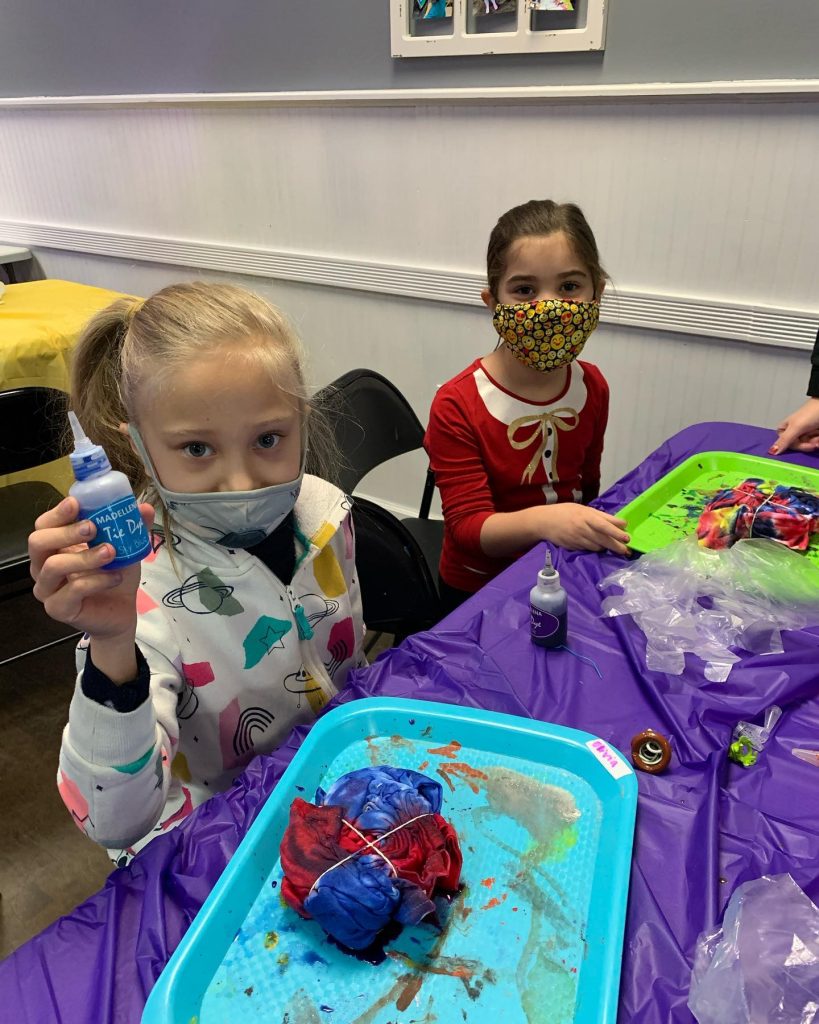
<point x="702" y="828"/>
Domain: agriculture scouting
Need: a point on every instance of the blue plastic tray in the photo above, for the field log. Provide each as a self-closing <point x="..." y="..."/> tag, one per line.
<point x="546" y="819"/>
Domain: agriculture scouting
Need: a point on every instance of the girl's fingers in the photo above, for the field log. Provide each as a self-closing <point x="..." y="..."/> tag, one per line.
<point x="66" y="604"/>
<point x="590" y="541"/>
<point x="621" y="523"/>
<point x="57" y="534"/>
<point x="61" y="515"/>
<point x="148" y="514"/>
<point x="57" y="569"/>
<point x="612" y="532"/>
<point x="47" y="541"/>
<point x="610" y="538"/>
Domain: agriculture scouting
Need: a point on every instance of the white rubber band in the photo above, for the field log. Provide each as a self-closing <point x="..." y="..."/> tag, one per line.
<point x="756" y="512"/>
<point x="369" y="845"/>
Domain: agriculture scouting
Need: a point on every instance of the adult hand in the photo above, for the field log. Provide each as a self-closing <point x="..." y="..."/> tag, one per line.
<point x="799" y="431"/>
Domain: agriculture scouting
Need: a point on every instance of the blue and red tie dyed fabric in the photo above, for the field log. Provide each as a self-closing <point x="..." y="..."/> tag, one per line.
<point x="784" y="514"/>
<point x="333" y="875"/>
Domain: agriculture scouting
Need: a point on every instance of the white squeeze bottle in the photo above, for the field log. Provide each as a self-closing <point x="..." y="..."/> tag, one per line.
<point x="106" y="498"/>
<point x="549" y="607"/>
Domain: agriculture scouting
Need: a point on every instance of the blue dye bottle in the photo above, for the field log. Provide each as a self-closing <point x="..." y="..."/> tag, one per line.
<point x="549" y="607"/>
<point x="106" y="498"/>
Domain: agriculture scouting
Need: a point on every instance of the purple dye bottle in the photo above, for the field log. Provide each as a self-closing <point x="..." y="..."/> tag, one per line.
<point x="549" y="607"/>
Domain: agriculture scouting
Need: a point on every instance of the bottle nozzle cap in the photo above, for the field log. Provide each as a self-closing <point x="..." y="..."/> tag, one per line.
<point x="87" y="459"/>
<point x="81" y="442"/>
<point x="548" y="576"/>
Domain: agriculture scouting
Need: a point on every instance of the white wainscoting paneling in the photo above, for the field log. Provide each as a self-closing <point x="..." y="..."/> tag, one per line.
<point x="709" y="204"/>
<point x="712" y="199"/>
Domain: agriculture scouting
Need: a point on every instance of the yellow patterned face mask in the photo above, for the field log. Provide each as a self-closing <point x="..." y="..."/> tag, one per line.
<point x="548" y="333"/>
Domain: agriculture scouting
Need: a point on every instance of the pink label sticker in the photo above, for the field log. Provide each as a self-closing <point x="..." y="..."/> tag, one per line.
<point x="611" y="760"/>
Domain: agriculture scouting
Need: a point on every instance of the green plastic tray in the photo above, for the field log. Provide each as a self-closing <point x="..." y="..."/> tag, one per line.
<point x="669" y="509"/>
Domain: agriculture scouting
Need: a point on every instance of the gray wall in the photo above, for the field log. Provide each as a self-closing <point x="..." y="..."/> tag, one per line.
<point x="50" y="47"/>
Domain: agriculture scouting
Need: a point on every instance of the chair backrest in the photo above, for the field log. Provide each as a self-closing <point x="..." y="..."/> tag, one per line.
<point x="33" y="428"/>
<point x="397" y="589"/>
<point x="372" y="423"/>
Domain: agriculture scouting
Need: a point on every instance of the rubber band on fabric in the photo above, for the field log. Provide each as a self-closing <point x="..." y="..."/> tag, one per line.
<point x="369" y="845"/>
<point x="761" y="505"/>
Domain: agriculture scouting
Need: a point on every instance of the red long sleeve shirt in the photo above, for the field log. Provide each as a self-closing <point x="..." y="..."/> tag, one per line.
<point x="492" y="451"/>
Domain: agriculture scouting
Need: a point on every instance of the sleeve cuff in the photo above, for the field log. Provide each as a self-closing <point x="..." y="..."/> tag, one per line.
<point x="98" y="687"/>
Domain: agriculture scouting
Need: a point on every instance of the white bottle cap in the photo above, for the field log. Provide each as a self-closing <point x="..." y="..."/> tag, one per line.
<point x="87" y="459"/>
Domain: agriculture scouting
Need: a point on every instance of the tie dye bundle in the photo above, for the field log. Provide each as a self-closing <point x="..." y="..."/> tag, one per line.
<point x="784" y="514"/>
<point x="371" y="850"/>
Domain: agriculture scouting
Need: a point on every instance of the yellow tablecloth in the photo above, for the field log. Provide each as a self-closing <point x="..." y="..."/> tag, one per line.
<point x="40" y="322"/>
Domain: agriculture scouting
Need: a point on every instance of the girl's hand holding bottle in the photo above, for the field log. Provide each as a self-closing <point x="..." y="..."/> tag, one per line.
<point x="74" y="587"/>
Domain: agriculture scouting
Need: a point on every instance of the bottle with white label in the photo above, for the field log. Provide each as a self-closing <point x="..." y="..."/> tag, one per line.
<point x="106" y="498"/>
<point x="549" y="607"/>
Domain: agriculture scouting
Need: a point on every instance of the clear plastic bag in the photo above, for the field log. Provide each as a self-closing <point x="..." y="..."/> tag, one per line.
<point x="762" y="966"/>
<point x="690" y="599"/>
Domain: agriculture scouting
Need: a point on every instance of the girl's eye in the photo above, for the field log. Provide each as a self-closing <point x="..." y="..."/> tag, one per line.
<point x="524" y="291"/>
<point x="570" y="286"/>
<point x="197" y="449"/>
<point x="269" y="440"/>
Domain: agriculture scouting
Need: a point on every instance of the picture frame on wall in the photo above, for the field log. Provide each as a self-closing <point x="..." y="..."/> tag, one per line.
<point x="433" y="28"/>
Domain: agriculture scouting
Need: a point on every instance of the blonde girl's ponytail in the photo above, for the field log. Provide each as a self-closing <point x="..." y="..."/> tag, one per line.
<point x="96" y="398"/>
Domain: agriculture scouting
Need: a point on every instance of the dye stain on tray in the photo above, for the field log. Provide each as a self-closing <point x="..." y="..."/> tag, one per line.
<point x="511" y="942"/>
<point x="670" y="509"/>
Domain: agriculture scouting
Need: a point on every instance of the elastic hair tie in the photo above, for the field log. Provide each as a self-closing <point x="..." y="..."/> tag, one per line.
<point x="135" y="307"/>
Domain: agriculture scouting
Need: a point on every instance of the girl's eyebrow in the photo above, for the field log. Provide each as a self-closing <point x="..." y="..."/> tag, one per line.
<point x="515" y="278"/>
<point x="268" y="424"/>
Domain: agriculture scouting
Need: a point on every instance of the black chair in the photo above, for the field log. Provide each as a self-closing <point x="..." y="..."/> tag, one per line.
<point x="398" y="590"/>
<point x="33" y="430"/>
<point x="373" y="423"/>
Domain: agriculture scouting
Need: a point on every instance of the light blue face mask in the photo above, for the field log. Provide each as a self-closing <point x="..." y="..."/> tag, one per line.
<point x="234" y="519"/>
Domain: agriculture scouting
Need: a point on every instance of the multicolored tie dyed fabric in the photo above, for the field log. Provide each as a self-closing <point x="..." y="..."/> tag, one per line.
<point x="371" y="850"/>
<point x="784" y="514"/>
